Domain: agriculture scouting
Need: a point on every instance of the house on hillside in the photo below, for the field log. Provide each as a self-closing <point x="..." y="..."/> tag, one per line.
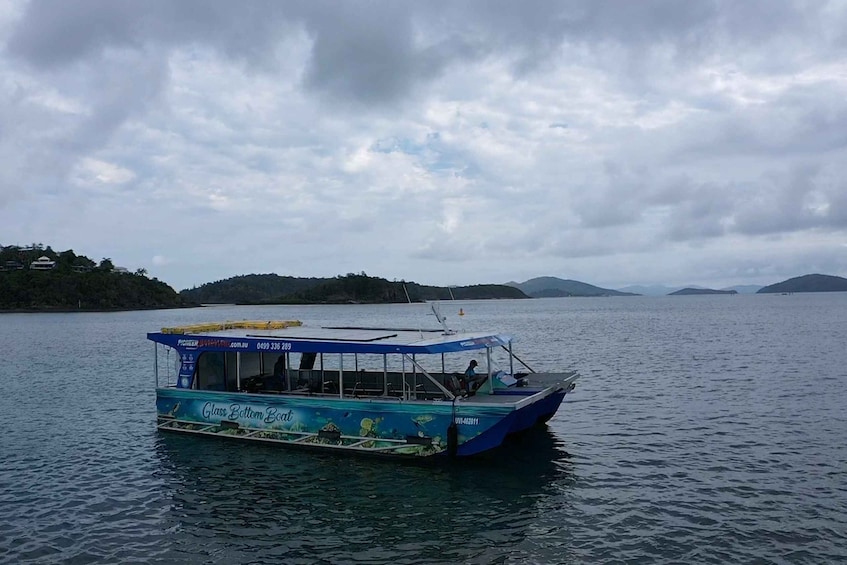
<point x="12" y="266"/>
<point x="43" y="263"/>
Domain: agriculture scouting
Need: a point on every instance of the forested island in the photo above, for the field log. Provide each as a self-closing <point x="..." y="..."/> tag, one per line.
<point x="808" y="283"/>
<point x="691" y="291"/>
<point x="36" y="278"/>
<point x="343" y="289"/>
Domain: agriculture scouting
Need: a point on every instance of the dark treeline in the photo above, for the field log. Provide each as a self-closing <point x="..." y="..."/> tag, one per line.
<point x="247" y="289"/>
<point x="350" y="288"/>
<point x="67" y="281"/>
<point x="76" y="282"/>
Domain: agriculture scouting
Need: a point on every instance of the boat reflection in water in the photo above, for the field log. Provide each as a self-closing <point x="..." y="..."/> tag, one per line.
<point x="242" y="502"/>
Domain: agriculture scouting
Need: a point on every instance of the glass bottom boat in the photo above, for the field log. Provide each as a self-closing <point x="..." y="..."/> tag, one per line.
<point x="383" y="391"/>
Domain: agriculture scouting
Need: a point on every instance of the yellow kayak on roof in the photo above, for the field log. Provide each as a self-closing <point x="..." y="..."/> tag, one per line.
<point x="243" y="324"/>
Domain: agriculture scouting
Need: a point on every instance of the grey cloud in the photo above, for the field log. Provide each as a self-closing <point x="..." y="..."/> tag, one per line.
<point x="372" y="51"/>
<point x="567" y="167"/>
<point x="808" y="125"/>
<point x="359" y="54"/>
<point x="781" y="204"/>
<point x="369" y="55"/>
<point x="700" y="212"/>
<point x="613" y="200"/>
<point x="54" y="33"/>
<point x="364" y="51"/>
<point x="837" y="200"/>
<point x="55" y="140"/>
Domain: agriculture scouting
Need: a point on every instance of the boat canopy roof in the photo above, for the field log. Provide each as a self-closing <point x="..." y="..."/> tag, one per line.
<point x="291" y="336"/>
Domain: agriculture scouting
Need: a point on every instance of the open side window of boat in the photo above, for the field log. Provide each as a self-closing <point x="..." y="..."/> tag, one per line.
<point x="252" y="366"/>
<point x="231" y="372"/>
<point x="210" y="372"/>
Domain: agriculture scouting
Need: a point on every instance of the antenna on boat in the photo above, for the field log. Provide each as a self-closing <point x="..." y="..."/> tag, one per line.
<point x="420" y="330"/>
<point x="436" y="309"/>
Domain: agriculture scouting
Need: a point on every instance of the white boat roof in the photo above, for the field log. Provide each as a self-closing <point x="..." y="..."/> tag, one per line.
<point x="323" y="339"/>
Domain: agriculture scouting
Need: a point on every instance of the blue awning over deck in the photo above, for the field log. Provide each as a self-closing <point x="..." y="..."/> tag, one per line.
<point x="331" y="340"/>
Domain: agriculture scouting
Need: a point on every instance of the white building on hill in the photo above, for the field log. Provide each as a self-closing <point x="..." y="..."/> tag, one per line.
<point x="43" y="263"/>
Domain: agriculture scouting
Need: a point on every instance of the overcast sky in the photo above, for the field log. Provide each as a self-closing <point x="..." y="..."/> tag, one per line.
<point x="611" y="142"/>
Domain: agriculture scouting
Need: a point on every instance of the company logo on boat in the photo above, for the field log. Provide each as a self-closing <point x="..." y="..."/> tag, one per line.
<point x="214" y="342"/>
<point x="209" y="342"/>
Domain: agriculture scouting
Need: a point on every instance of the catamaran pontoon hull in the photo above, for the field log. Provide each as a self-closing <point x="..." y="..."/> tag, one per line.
<point x="406" y="412"/>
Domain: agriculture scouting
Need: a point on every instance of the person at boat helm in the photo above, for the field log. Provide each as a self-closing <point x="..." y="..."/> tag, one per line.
<point x="472" y="380"/>
<point x="279" y="373"/>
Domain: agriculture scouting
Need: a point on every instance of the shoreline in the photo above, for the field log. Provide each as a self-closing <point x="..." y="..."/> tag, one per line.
<point x="88" y="310"/>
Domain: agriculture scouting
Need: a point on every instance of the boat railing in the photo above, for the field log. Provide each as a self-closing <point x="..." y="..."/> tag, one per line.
<point x="371" y="383"/>
<point x="419" y="384"/>
<point x="410" y="392"/>
<point x="513" y="355"/>
<point x="432" y="379"/>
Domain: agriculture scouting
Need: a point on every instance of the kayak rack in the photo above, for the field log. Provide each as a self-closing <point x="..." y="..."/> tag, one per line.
<point x="241" y="324"/>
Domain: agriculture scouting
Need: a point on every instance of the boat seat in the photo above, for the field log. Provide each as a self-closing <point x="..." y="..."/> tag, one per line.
<point x="454" y="384"/>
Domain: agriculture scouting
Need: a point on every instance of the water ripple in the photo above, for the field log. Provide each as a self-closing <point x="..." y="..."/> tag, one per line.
<point x="704" y="429"/>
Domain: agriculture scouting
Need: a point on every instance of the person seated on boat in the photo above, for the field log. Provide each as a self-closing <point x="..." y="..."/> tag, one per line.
<point x="277" y="382"/>
<point x="472" y="380"/>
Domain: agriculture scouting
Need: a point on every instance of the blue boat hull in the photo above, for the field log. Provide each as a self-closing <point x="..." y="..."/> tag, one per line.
<point x="516" y="422"/>
<point x="379" y="426"/>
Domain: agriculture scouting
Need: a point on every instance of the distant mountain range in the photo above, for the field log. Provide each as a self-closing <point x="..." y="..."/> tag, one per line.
<point x="547" y="287"/>
<point x="66" y="281"/>
<point x="744" y="288"/>
<point x="543" y="287"/>
<point x="657" y="290"/>
<point x="360" y="288"/>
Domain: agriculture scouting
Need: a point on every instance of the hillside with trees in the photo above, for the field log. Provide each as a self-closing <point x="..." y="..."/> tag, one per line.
<point x="66" y="281"/>
<point x="249" y="289"/>
<point x="364" y="289"/>
<point x="808" y="283"/>
<point x="350" y="288"/>
<point x="550" y="287"/>
<point x="689" y="291"/>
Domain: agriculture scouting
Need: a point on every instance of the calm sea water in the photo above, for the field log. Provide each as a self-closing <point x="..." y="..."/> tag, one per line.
<point x="706" y="429"/>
